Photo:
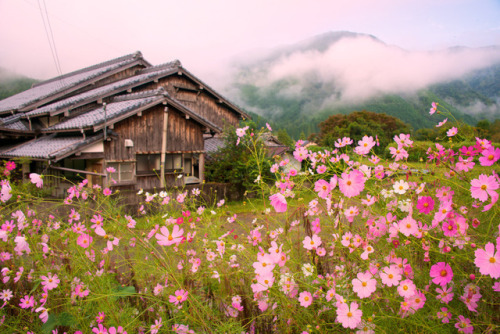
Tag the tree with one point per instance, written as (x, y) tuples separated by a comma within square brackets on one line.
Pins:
[(358, 124)]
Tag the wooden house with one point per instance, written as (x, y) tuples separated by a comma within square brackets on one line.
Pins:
[(147, 122)]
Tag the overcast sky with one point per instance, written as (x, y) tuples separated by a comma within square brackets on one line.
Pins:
[(207, 35)]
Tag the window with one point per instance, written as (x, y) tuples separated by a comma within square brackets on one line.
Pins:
[(147, 163), (124, 171), (173, 161)]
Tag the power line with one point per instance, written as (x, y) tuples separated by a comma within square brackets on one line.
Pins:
[(53, 49), (53, 40)]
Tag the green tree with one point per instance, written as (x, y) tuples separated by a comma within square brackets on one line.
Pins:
[(358, 124)]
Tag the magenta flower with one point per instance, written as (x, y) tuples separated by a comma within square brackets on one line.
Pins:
[(178, 297), (463, 325), (391, 275), (488, 261), (50, 282), (10, 165), (425, 204), (107, 192), (349, 317), (433, 108), (406, 288), (305, 298), (84, 240), (352, 184), (100, 317), (445, 295), (278, 201), (441, 273), (452, 132), (323, 188), (445, 315), (100, 329), (489, 156), (483, 186), (364, 285), (311, 243), (36, 179), (27, 302), (165, 238)]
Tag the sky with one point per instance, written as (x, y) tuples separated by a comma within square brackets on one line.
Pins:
[(209, 36)]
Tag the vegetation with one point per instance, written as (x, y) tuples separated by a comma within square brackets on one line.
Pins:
[(358, 124), (378, 248), (12, 84)]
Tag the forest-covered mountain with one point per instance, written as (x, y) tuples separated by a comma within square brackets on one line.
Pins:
[(11, 83), (298, 86)]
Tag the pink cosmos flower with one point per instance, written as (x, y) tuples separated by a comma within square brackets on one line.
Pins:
[(445, 315), (10, 165), (425, 204), (27, 302), (100, 329), (44, 315), (364, 145), (107, 192), (443, 122), (165, 238), (408, 226), (100, 317), (391, 275), (50, 282), (178, 297), (488, 261), (305, 298), (406, 288), (278, 201), (441, 273), (364, 285), (321, 169), (463, 325), (349, 316), (352, 184), (311, 243), (36, 179), (433, 108), (482, 187), (323, 188), (156, 327), (445, 295), (452, 132), (84, 240), (489, 156)]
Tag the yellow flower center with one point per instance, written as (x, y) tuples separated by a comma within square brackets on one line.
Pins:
[(349, 314), (492, 260)]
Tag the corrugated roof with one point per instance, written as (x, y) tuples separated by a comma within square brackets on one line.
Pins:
[(49, 147), (65, 82)]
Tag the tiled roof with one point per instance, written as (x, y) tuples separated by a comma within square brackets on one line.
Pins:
[(213, 144), (13, 122), (143, 76), (64, 83), (49, 147), (97, 116)]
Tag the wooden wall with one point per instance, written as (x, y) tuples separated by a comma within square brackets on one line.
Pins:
[(183, 136), (199, 100)]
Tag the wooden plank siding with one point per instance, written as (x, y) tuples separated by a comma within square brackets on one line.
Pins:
[(198, 100), (183, 136)]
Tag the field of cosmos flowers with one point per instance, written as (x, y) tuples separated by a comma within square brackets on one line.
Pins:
[(351, 243)]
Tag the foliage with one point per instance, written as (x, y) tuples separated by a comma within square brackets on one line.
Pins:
[(349, 246), (11, 85), (358, 124), (239, 163)]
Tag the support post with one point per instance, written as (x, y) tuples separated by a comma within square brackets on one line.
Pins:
[(163, 148)]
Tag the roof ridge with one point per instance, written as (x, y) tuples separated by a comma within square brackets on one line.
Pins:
[(133, 56), (171, 64), (139, 95)]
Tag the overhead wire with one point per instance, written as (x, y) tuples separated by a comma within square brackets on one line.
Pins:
[(50, 38)]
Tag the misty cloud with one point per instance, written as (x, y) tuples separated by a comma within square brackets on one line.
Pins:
[(362, 67)]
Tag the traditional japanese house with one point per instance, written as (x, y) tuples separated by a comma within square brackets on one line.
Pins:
[(146, 122)]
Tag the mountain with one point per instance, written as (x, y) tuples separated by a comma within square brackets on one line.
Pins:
[(11, 83), (297, 86)]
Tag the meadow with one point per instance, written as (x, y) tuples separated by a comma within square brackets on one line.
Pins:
[(352, 243)]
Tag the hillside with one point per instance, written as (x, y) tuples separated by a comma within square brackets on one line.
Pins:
[(11, 83), (298, 86)]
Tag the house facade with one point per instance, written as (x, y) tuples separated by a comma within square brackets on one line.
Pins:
[(146, 122)]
